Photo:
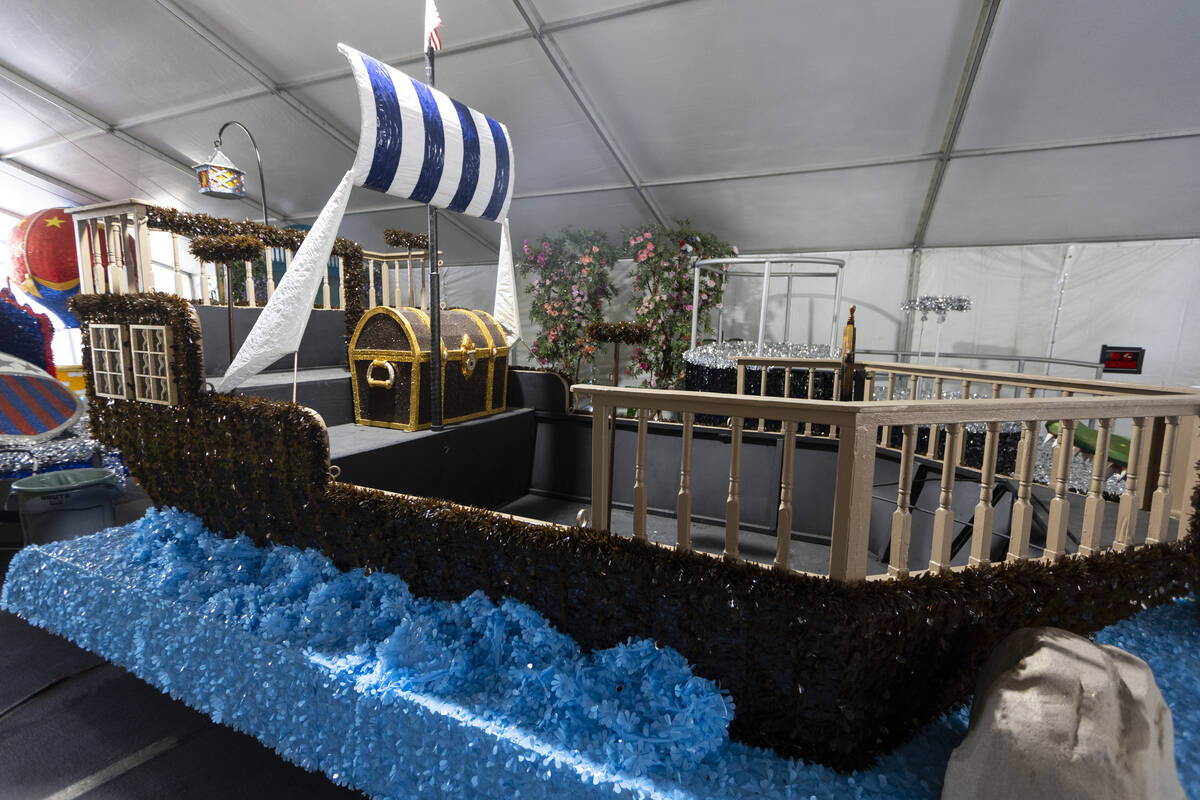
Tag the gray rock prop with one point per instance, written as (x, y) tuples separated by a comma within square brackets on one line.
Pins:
[(1058, 716)]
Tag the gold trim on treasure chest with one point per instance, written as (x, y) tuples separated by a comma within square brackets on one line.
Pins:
[(468, 356)]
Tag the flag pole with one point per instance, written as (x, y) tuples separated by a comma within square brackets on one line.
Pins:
[(435, 308)]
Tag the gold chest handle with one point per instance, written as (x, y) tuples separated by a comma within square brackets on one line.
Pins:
[(391, 374)]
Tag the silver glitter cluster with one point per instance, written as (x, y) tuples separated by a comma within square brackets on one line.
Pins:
[(73, 446), (1080, 477), (724, 355), (937, 304)]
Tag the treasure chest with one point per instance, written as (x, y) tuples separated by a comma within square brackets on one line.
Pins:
[(390, 367)]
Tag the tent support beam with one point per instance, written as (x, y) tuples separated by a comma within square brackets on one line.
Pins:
[(293, 102), (559, 62), (979, 43), (52, 97), (80, 195)]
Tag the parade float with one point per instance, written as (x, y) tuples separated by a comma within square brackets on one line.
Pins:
[(407, 645)]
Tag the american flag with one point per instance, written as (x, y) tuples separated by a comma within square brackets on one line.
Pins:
[(433, 21)]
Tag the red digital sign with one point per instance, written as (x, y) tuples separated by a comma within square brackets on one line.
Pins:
[(1122, 359)]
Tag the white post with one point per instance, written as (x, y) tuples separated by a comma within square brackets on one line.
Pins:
[(762, 311), (695, 306)]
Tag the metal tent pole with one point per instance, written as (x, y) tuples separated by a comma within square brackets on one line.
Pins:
[(435, 308)]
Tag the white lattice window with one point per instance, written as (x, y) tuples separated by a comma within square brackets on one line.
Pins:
[(108, 361), (150, 346)]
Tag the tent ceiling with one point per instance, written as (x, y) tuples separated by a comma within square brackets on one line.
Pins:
[(778, 124)]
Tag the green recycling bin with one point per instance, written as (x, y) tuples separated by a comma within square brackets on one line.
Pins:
[(65, 504)]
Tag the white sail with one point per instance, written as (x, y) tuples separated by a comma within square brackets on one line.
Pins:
[(281, 324), (504, 307)]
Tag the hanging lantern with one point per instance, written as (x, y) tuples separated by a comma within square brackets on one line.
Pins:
[(219, 177)]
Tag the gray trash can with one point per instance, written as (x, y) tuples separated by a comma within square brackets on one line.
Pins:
[(65, 504)]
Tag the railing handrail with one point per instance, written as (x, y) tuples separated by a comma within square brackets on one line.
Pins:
[(399, 255), (977, 376), (892, 412), (1066, 362)]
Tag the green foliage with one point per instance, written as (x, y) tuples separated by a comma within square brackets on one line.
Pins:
[(662, 296), (570, 282)]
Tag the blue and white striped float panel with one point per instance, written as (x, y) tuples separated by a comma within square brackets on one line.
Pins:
[(416, 142)]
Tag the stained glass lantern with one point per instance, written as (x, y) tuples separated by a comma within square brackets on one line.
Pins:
[(219, 177)]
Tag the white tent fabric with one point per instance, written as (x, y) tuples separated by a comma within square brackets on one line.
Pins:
[(1081, 125), (1135, 295), (1144, 294)]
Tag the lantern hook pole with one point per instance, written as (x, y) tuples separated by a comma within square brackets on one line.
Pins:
[(262, 189), (262, 184)]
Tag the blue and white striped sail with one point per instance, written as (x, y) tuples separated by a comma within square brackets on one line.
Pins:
[(418, 143)]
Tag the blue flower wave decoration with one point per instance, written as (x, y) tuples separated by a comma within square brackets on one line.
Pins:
[(402, 697)]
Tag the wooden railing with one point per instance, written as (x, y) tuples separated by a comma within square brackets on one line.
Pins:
[(856, 427), (114, 255), (891, 381)]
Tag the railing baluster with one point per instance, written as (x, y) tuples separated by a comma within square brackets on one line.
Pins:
[(370, 265), (424, 292), (325, 286), (385, 286), (937, 388), (1026, 440), (1126, 508), (943, 518), (995, 390), (733, 502), (341, 271), (1160, 505), (812, 377), (103, 279), (762, 392), (985, 513), (1022, 510), (639, 477), (1060, 509), (931, 445), (251, 300), (902, 516), (269, 262), (204, 282), (87, 272), (683, 505), (886, 432), (869, 386), (287, 261), (600, 465), (783, 519), (1093, 507), (411, 301), (116, 251), (175, 261), (396, 301)]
